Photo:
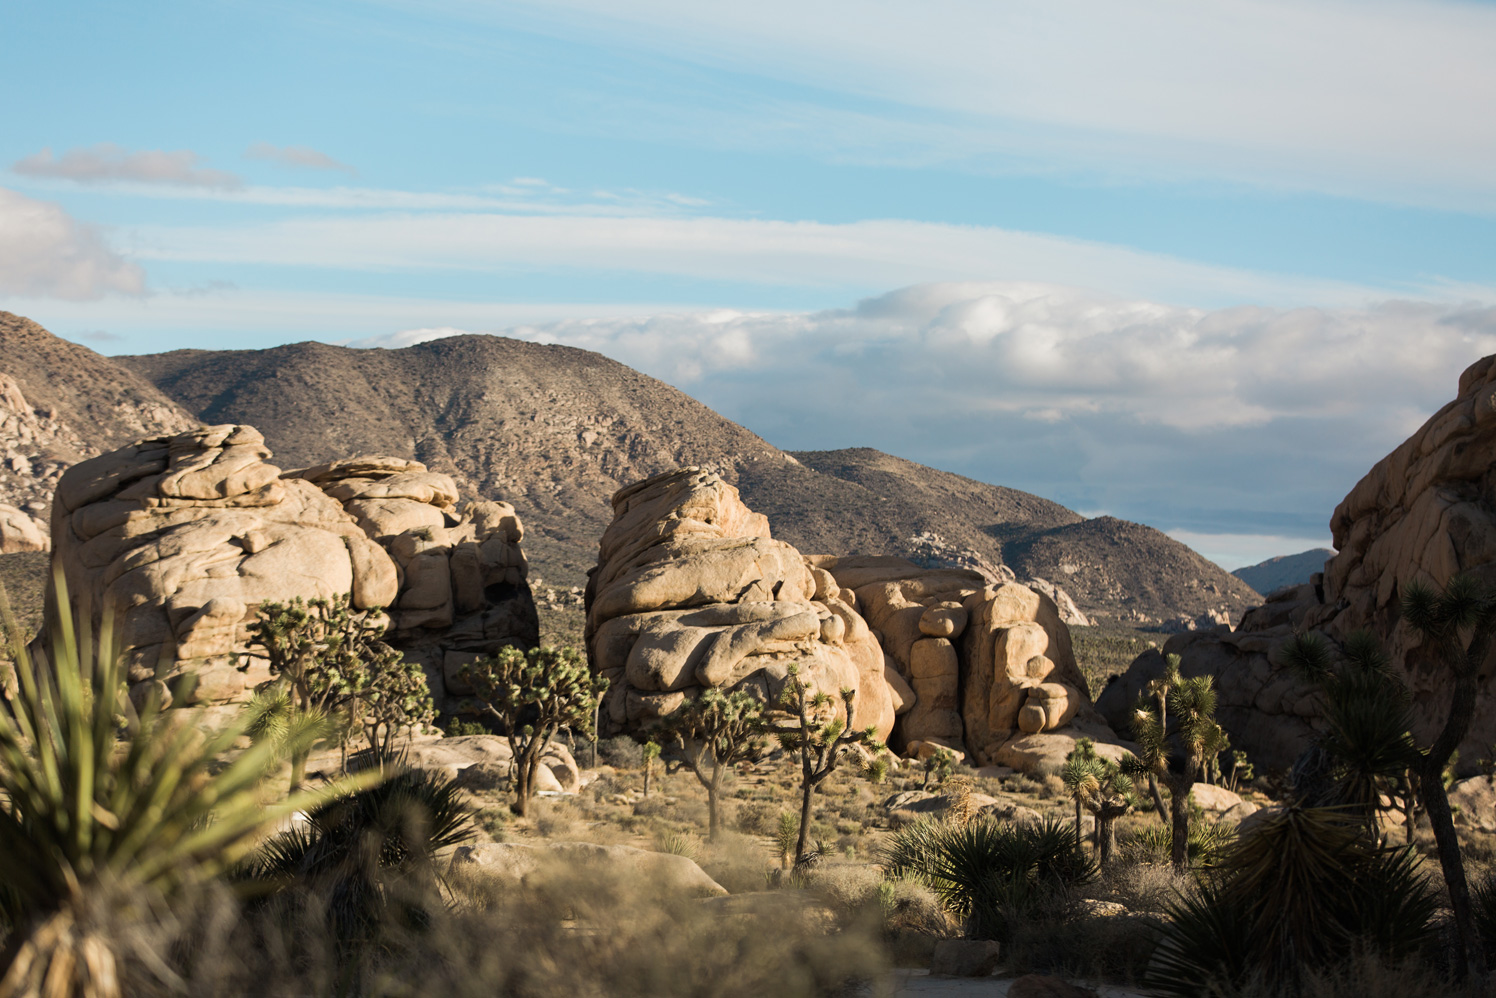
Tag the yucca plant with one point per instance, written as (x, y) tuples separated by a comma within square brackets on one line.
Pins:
[(1101, 787), (107, 810), (989, 873), (358, 851), (1304, 889)]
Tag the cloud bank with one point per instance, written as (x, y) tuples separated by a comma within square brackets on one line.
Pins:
[(46, 253), (109, 163), (1245, 421)]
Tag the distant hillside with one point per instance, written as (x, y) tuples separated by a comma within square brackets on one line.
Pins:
[(557, 430), (76, 404), (1284, 570)]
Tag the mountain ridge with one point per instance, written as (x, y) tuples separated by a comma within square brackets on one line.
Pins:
[(556, 430)]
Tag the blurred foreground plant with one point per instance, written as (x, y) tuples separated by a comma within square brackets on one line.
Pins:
[(106, 811)]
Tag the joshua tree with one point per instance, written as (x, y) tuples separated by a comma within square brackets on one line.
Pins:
[(1101, 787), (394, 698), (819, 742), (534, 693), (717, 730), (651, 753), (1367, 752), (1192, 703), (325, 653), (1156, 694), (938, 763), (1460, 624)]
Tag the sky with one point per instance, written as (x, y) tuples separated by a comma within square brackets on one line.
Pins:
[(1198, 265)]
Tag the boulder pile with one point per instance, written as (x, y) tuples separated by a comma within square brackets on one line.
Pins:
[(990, 665), (691, 591), (1425, 512), (181, 538)]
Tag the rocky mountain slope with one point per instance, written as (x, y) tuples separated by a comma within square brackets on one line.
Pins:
[(1284, 570), (61, 403), (556, 431)]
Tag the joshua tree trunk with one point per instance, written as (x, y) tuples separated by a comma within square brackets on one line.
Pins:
[(1158, 800), (648, 770), (1179, 825), (1436, 803), (807, 788), (1106, 832), (1078, 840), (711, 801)]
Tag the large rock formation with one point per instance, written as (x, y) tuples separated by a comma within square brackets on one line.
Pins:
[(181, 538), (1425, 512), (990, 663), (691, 591)]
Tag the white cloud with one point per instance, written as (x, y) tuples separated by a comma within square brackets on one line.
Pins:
[(1392, 99), (296, 156), (46, 253), (855, 255), (109, 163), (1242, 421)]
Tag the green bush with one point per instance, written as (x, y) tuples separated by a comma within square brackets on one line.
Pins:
[(990, 874), (1303, 890)]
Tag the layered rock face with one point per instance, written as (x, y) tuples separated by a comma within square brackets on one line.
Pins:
[(691, 592), (1425, 512), (990, 664), (181, 538)]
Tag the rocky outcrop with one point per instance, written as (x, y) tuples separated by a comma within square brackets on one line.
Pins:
[(1425, 512), (181, 538), (691, 591), (61, 403), (19, 532), (989, 663)]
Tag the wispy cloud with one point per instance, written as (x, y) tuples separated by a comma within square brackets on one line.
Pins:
[(46, 253), (856, 255), (1392, 100), (304, 157), (109, 163)]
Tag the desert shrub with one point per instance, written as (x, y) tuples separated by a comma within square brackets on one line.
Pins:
[(1154, 843), (564, 932), (457, 727), (652, 807), (993, 875), (359, 850), (621, 753), (1304, 889), (1145, 887), (757, 818), (1483, 911), (677, 843)]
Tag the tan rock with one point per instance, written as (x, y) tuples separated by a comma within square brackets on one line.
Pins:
[(19, 532), (1214, 798), (691, 592)]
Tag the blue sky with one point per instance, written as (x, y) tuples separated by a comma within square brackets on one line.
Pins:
[(1198, 265)]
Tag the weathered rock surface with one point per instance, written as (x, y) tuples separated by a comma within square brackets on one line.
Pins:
[(1425, 512), (988, 663), (1474, 801), (19, 532), (182, 537), (691, 592), (966, 958), (518, 861)]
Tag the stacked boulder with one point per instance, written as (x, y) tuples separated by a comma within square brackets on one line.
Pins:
[(990, 663), (691, 592), (181, 538), (1426, 512)]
